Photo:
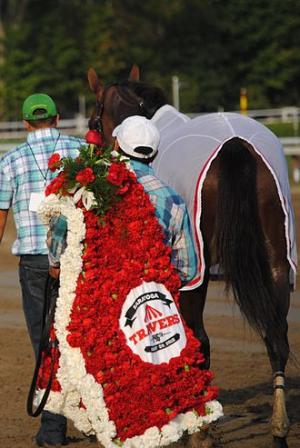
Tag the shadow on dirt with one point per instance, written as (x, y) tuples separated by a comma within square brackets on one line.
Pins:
[(241, 396), (248, 412)]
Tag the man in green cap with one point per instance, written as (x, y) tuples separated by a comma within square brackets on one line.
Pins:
[(24, 174), (39, 106)]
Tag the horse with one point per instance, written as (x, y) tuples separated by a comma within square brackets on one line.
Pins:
[(241, 228)]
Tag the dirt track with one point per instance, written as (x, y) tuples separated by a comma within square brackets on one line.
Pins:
[(238, 360)]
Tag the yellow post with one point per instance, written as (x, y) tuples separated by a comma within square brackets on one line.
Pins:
[(243, 101)]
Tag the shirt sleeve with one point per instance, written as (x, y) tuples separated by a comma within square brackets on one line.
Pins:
[(6, 188), (57, 239), (183, 254)]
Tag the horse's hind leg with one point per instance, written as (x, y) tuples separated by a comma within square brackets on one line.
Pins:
[(278, 351), (276, 338)]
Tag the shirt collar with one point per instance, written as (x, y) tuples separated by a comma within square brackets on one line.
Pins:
[(139, 166), (42, 134)]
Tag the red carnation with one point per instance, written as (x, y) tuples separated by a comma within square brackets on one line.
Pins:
[(56, 184), (94, 137), (54, 162), (117, 174), (86, 176)]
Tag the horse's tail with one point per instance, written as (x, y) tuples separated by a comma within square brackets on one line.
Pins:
[(240, 240)]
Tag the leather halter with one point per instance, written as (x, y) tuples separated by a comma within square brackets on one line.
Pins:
[(96, 122)]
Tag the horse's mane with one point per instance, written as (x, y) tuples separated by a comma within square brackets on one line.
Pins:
[(152, 97)]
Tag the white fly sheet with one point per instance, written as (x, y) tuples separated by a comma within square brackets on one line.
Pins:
[(187, 149)]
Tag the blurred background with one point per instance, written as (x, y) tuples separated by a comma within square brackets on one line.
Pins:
[(208, 55), (214, 47)]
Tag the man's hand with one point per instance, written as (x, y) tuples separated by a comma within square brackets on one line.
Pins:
[(3, 218), (54, 272)]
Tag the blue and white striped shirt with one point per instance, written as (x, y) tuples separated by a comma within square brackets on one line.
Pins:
[(24, 170)]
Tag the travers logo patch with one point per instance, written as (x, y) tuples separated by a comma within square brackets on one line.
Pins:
[(152, 324)]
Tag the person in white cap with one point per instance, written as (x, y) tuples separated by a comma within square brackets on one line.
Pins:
[(138, 138)]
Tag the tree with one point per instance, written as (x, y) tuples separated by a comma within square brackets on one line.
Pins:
[(264, 49), (214, 47), (44, 53)]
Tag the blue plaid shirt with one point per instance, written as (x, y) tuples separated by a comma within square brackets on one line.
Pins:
[(173, 216), (171, 213), (23, 171)]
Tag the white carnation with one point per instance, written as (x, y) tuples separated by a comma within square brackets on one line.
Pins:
[(214, 411), (170, 433), (191, 422)]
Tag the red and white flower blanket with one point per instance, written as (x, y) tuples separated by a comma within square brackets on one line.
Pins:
[(127, 365)]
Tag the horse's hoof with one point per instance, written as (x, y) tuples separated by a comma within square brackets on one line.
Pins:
[(200, 440), (280, 442)]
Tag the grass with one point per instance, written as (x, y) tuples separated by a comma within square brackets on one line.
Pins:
[(287, 130), (284, 129), (12, 141)]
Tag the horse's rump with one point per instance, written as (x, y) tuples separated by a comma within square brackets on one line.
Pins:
[(188, 154)]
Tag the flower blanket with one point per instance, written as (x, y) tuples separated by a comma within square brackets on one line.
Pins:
[(126, 364)]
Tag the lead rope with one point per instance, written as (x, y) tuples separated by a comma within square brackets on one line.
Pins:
[(48, 317)]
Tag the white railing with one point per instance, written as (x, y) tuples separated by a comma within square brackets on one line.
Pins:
[(290, 114), (284, 114), (78, 126), (291, 146), (14, 130)]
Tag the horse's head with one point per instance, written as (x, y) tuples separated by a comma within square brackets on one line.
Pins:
[(120, 100)]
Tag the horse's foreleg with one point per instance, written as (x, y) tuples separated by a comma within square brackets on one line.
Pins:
[(192, 307)]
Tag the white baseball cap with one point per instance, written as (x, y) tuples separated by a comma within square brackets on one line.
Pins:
[(138, 137)]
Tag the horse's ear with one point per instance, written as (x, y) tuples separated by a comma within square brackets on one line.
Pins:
[(134, 74), (95, 84)]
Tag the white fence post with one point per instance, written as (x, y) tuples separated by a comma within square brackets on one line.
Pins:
[(80, 124)]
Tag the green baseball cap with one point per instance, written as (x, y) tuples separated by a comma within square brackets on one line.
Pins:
[(40, 102)]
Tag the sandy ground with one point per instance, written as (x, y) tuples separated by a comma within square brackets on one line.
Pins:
[(239, 361)]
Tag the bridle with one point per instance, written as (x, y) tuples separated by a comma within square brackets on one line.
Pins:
[(96, 123)]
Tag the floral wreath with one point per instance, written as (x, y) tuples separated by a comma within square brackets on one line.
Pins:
[(101, 382)]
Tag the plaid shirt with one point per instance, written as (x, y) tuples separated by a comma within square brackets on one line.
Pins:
[(171, 213), (173, 216), (23, 171)]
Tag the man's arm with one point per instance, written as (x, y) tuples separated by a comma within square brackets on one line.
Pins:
[(56, 242), (173, 216), (183, 254), (3, 219)]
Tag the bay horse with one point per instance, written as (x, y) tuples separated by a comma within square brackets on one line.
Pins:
[(242, 224)]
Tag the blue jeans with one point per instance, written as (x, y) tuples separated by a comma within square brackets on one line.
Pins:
[(33, 273)]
